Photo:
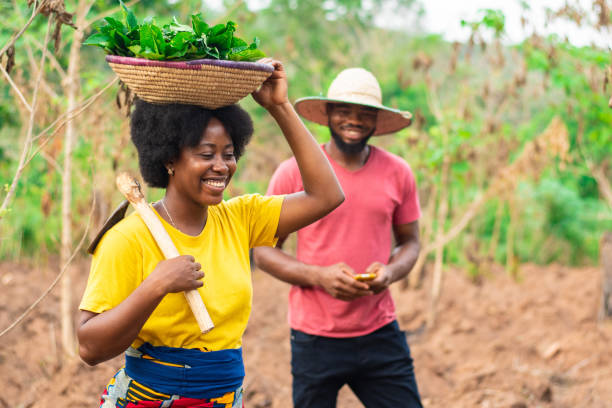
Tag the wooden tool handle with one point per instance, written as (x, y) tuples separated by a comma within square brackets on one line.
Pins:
[(130, 188)]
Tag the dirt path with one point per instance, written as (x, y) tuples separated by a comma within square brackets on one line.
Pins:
[(534, 343)]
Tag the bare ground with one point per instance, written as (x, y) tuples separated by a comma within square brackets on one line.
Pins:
[(498, 343)]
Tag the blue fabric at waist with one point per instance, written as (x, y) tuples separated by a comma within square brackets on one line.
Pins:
[(208, 374)]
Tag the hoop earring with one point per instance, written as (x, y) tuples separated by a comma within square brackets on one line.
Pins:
[(171, 171)]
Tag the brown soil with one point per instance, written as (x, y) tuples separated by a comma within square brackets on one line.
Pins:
[(499, 343)]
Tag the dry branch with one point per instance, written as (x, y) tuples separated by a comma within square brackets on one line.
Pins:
[(66, 117), (71, 91), (35, 11), (16, 89), (414, 278), (52, 59), (436, 287), (34, 71), (28, 141)]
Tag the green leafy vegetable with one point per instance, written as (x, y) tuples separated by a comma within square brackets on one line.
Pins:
[(174, 41)]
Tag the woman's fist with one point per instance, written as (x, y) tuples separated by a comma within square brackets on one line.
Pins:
[(179, 274)]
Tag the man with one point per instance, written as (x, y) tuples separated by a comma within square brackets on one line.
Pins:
[(344, 330)]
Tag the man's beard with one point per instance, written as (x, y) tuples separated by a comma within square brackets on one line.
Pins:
[(350, 148)]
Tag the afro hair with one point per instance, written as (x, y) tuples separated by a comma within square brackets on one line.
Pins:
[(160, 132)]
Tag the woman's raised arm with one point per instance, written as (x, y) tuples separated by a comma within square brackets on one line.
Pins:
[(322, 192)]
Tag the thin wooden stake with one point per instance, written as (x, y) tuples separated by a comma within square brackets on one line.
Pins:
[(436, 287), (415, 276)]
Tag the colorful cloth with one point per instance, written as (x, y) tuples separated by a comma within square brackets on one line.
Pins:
[(127, 254), (188, 373), (124, 392), (379, 195)]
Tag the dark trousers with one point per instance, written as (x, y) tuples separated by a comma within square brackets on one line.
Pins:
[(377, 367)]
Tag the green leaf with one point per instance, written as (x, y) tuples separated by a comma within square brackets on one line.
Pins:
[(238, 42), (494, 19), (116, 24), (173, 53), (151, 55), (135, 49), (129, 17), (181, 40), (213, 52), (222, 41), (178, 27), (147, 40), (247, 55), (121, 40), (238, 50), (99, 39), (216, 30), (159, 39), (238, 45), (199, 25), (230, 26)]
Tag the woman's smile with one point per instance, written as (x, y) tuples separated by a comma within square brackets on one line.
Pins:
[(215, 184)]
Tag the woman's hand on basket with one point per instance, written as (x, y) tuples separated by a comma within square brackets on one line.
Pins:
[(273, 91), (178, 274)]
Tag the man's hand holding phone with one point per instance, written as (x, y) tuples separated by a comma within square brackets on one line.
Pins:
[(338, 281), (381, 277)]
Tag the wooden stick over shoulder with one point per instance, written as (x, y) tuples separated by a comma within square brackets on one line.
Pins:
[(130, 188)]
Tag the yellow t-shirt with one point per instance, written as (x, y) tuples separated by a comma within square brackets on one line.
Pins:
[(127, 254)]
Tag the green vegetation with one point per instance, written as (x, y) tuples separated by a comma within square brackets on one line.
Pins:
[(174, 41)]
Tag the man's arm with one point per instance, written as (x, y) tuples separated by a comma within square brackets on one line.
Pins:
[(402, 259), (337, 280)]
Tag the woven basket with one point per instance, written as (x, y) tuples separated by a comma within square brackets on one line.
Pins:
[(208, 83)]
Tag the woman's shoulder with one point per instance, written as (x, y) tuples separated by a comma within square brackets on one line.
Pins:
[(125, 233)]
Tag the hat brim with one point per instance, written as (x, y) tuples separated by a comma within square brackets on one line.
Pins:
[(389, 120)]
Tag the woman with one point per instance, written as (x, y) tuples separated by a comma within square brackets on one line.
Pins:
[(133, 299)]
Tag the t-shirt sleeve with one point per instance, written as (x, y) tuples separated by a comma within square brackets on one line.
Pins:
[(116, 271), (263, 215), (409, 209), (286, 179)]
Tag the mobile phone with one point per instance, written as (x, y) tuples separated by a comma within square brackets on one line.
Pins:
[(362, 277)]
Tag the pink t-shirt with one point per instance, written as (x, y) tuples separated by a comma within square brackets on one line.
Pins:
[(359, 232)]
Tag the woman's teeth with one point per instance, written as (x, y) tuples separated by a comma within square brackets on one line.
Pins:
[(215, 183)]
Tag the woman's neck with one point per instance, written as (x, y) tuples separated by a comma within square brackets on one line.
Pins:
[(182, 213)]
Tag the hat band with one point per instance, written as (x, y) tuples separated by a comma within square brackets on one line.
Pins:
[(358, 98)]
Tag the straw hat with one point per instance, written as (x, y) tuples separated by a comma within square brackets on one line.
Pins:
[(208, 83), (357, 86)]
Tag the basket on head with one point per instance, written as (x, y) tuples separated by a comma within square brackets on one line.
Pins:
[(205, 82)]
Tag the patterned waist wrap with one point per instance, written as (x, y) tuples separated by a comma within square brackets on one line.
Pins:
[(189, 373)]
